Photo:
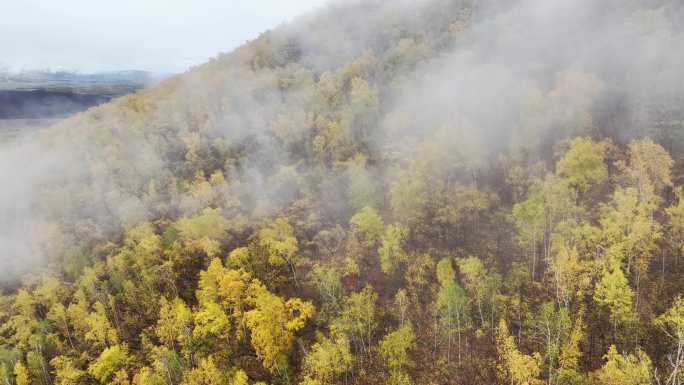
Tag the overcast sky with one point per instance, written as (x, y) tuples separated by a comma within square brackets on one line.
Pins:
[(153, 35)]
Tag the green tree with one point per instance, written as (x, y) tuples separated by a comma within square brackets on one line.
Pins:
[(209, 223), (401, 306), (481, 285), (445, 271), (395, 352), (167, 364), (38, 367), (551, 327), (391, 250), (362, 189), (583, 164), (529, 218), (614, 291), (367, 226), (328, 282), (450, 306), (357, 318), (630, 231)]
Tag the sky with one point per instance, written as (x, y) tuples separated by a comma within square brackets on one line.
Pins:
[(164, 36)]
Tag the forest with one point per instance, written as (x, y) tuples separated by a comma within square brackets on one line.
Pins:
[(381, 192)]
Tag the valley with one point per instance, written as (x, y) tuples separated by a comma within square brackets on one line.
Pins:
[(37, 99)]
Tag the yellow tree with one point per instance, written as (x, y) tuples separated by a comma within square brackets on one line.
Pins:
[(66, 372), (568, 372), (273, 323), (515, 367), (110, 361), (21, 374), (147, 376), (549, 206), (629, 369), (58, 316), (671, 323), (23, 319), (228, 288), (630, 231), (328, 359), (174, 326), (240, 378), (675, 215), (648, 170), (571, 277), (212, 326), (101, 333), (142, 249), (583, 165), (280, 241), (205, 374), (77, 313)]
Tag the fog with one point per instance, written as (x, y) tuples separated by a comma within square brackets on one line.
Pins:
[(537, 71), (518, 74)]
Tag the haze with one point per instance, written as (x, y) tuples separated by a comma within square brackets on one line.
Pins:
[(154, 35)]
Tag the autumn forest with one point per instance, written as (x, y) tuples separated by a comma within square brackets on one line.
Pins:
[(406, 192)]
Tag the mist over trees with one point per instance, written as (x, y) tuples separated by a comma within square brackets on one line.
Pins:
[(428, 192)]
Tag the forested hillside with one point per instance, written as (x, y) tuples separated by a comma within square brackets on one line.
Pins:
[(382, 192)]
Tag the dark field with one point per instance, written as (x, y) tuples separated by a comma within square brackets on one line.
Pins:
[(38, 99), (34, 104)]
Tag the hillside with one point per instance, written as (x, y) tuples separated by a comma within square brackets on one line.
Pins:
[(428, 192)]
